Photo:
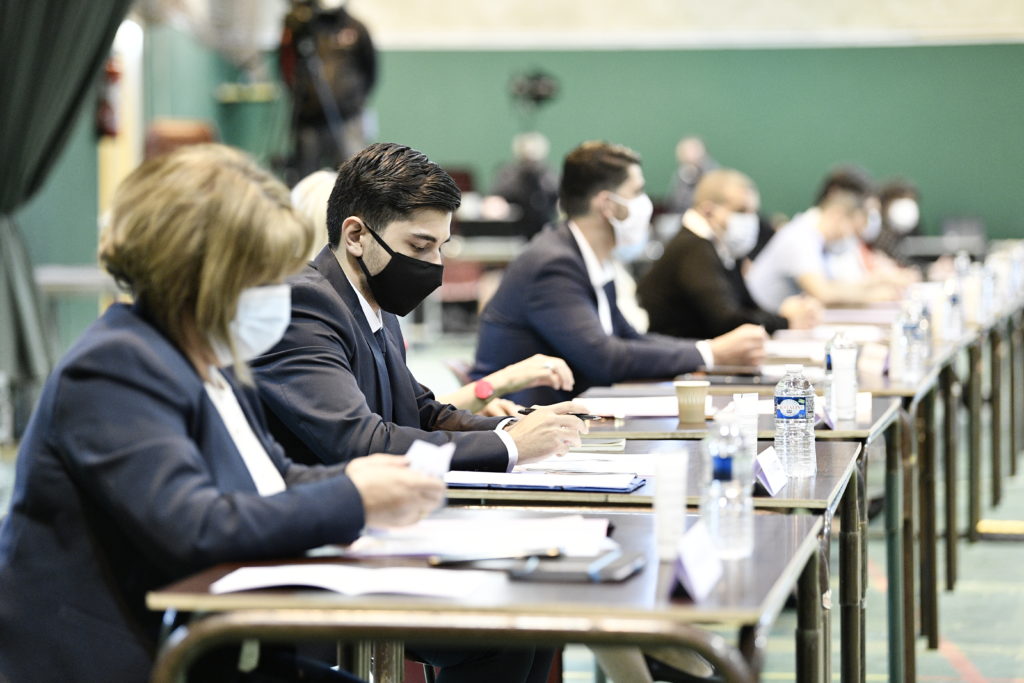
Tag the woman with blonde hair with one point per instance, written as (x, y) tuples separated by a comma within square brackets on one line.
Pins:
[(143, 462)]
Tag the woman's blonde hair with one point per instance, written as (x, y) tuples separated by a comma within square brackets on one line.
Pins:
[(188, 231)]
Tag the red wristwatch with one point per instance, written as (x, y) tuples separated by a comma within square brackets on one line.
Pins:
[(483, 390)]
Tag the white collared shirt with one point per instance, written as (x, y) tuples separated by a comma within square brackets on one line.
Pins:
[(699, 226), (376, 322), (264, 473), (601, 274)]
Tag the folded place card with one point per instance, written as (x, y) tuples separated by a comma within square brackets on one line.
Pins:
[(698, 566), (769, 471)]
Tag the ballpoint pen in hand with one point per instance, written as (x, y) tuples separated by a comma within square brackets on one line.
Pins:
[(582, 416)]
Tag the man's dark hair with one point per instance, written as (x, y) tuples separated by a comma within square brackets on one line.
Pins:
[(387, 182), (850, 179), (897, 188), (590, 168)]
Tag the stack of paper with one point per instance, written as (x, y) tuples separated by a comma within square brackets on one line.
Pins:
[(543, 480), (572, 534), (600, 446), (441, 583), (641, 464)]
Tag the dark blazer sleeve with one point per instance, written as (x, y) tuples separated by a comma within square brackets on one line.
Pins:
[(144, 468), (308, 382), (704, 283), (561, 310)]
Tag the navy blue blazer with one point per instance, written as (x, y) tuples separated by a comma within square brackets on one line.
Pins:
[(127, 479), (324, 393), (547, 304)]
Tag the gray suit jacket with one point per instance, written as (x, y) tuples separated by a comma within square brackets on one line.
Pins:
[(546, 304), (326, 395)]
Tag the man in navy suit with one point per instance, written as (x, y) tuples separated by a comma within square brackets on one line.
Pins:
[(337, 385), (558, 296)]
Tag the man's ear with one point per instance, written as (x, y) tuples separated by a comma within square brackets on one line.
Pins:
[(603, 204), (352, 230)]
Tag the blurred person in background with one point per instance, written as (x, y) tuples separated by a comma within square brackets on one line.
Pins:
[(696, 288), (901, 216), (558, 296), (693, 162), (797, 259), (528, 182)]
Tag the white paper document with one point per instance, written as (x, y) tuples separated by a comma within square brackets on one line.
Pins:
[(600, 446), (428, 459), (540, 480), (640, 464), (638, 406), (440, 583), (810, 350), (571, 534)]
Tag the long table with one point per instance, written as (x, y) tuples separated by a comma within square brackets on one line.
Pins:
[(639, 611)]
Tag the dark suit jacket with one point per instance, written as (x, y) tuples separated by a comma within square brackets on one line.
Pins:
[(546, 304), (128, 480), (324, 393), (689, 292)]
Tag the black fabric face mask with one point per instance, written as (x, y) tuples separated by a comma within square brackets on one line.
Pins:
[(404, 282)]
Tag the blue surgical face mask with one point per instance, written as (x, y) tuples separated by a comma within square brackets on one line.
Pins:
[(260, 321), (873, 228)]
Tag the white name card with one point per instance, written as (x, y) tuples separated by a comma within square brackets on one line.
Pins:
[(699, 566), (769, 471), (431, 460)]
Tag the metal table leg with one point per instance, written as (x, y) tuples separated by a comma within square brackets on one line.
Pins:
[(974, 449), (894, 547), (908, 561), (951, 443), (810, 645), (851, 590), (996, 350), (928, 546)]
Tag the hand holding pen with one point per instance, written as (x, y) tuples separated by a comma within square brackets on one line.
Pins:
[(548, 430)]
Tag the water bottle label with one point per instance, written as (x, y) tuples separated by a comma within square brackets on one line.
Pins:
[(721, 468), (791, 407)]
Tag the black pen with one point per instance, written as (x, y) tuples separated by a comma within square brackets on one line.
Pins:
[(582, 416)]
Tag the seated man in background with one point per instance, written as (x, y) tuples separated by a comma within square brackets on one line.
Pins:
[(337, 386), (558, 296), (696, 288), (796, 259)]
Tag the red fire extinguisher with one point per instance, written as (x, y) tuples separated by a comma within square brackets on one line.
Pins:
[(107, 114)]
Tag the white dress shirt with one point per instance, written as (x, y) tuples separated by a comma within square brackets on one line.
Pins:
[(261, 468), (376, 322), (601, 274)]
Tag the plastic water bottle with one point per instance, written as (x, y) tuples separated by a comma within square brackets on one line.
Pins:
[(794, 423), (954, 319), (908, 347), (726, 506), (843, 356)]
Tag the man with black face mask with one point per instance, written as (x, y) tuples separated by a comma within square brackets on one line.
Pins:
[(337, 387)]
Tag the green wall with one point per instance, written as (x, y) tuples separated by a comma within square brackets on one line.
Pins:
[(949, 117)]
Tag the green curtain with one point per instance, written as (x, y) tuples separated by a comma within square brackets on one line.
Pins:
[(50, 54)]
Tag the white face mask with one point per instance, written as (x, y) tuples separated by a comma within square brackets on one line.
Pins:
[(903, 215), (741, 232), (261, 320), (873, 228), (633, 231)]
